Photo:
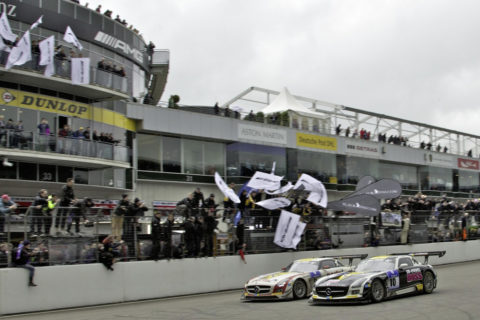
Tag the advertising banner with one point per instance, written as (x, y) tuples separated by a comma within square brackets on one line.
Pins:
[(262, 134), (316, 142)]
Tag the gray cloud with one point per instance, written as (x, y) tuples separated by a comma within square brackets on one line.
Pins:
[(413, 59)]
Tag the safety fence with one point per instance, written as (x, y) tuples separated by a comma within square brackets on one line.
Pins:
[(69, 235)]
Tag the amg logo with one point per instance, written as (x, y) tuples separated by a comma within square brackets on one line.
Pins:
[(118, 44)]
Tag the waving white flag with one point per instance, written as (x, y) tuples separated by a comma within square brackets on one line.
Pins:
[(266, 181), (318, 193), (229, 193), (47, 53), (80, 70), (286, 229), (274, 203), (283, 189), (5, 30), (70, 37), (36, 23), (21, 53)]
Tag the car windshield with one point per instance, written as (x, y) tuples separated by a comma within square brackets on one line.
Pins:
[(376, 265), (304, 266)]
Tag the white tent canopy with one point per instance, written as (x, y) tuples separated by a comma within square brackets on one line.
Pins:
[(286, 102)]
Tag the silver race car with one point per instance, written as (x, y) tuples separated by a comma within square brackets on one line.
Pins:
[(378, 278), (295, 281)]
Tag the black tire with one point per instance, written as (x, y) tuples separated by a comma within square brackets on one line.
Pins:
[(428, 282), (299, 289), (377, 291)]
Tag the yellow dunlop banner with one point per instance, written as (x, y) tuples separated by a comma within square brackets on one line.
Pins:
[(316, 142), (70, 108)]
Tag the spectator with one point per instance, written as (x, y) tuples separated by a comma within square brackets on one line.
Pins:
[(405, 228), (99, 8), (117, 18), (67, 199), (210, 226), (186, 205), (216, 109), (470, 153), (60, 54), (198, 199), (338, 129), (79, 210), (464, 226), (118, 217), (156, 235), (7, 206), (199, 233), (355, 133), (37, 214), (209, 204), (136, 209), (18, 138), (22, 260), (86, 133), (347, 132), (167, 229), (189, 237), (228, 205), (226, 113), (439, 148), (43, 127), (445, 149), (109, 252), (52, 202), (251, 116)]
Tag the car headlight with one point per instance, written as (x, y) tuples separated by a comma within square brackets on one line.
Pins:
[(358, 283)]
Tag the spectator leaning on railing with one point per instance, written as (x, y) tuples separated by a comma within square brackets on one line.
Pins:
[(7, 206)]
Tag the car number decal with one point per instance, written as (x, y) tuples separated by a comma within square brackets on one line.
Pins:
[(393, 281)]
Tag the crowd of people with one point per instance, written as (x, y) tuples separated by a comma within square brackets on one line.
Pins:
[(13, 135), (199, 224), (109, 66)]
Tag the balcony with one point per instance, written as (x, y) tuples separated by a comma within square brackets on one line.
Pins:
[(23, 146), (103, 85)]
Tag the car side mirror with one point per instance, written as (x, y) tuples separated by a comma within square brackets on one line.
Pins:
[(403, 266)]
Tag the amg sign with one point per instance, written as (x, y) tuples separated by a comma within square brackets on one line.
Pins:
[(120, 45)]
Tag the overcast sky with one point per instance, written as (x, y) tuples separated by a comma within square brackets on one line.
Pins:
[(415, 59)]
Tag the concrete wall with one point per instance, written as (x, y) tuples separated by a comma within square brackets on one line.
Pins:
[(84, 285)]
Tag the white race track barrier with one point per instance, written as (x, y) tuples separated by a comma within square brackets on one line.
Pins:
[(91, 284)]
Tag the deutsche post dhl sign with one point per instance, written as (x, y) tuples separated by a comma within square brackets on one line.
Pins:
[(468, 164)]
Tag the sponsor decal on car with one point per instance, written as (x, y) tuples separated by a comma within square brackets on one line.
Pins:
[(414, 275)]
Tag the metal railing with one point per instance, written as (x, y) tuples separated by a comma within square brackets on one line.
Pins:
[(63, 69), (68, 240), (26, 140)]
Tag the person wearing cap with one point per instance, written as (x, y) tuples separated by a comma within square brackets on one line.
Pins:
[(197, 201), (21, 259), (7, 206)]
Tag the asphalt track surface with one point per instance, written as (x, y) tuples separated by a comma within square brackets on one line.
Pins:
[(456, 297)]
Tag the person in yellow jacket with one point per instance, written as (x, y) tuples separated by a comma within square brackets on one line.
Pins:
[(52, 202)]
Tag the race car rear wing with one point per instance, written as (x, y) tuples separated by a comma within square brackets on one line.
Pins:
[(350, 257), (421, 254)]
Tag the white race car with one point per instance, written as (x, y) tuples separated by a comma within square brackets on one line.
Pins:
[(295, 281)]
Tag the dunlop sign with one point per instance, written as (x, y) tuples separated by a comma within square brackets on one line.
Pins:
[(316, 142), (45, 103)]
